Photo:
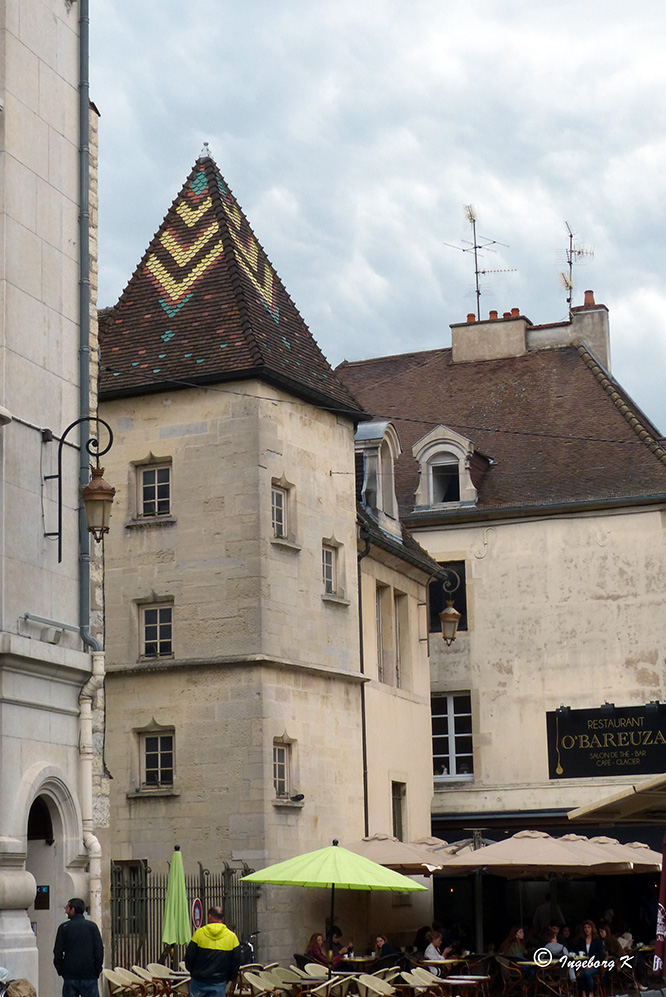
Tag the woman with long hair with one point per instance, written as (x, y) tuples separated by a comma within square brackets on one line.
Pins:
[(315, 949), (513, 946), (591, 946)]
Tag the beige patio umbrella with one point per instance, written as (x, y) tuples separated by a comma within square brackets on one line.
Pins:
[(534, 854), (404, 856), (643, 858)]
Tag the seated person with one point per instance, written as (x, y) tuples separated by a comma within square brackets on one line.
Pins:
[(315, 950), (552, 943), (384, 947), (590, 945), (335, 944), (435, 950), (513, 946)]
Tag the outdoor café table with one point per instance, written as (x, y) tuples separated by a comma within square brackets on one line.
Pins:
[(355, 963), (442, 964), (465, 985)]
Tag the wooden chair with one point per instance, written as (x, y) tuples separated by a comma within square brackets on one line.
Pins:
[(316, 969), (257, 985), (514, 983), (120, 987), (131, 977), (299, 971), (153, 985), (373, 986)]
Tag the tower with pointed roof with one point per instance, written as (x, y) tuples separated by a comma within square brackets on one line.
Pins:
[(234, 718)]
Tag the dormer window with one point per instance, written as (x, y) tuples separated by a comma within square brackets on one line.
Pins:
[(444, 457), (378, 445)]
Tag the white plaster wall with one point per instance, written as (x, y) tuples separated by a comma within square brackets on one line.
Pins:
[(562, 610)]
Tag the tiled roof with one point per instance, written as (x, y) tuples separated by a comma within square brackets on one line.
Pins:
[(206, 305), (556, 426)]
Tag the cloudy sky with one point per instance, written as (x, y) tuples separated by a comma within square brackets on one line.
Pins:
[(353, 132)]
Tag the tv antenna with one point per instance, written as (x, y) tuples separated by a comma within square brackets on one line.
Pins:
[(574, 253), (474, 247)]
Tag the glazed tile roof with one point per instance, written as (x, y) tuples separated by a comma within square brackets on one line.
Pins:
[(556, 426), (206, 305)]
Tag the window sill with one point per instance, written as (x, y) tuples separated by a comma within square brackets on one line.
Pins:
[(286, 543), (442, 781), (289, 804), (138, 524), (144, 794), (155, 657), (332, 597)]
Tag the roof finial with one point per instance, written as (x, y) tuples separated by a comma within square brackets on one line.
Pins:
[(205, 152)]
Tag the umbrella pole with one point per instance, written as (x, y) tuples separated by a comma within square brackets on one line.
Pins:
[(478, 907), (330, 941)]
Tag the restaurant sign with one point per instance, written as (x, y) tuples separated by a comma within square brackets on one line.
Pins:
[(622, 740)]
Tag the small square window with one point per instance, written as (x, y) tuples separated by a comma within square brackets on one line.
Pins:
[(157, 759), (157, 632), (279, 512), (281, 770), (329, 568), (154, 484)]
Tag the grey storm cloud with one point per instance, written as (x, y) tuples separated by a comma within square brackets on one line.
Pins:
[(352, 134)]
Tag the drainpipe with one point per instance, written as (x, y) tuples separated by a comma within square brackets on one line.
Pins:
[(96, 680), (365, 536)]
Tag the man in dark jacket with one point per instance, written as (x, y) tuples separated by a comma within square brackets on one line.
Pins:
[(78, 953), (213, 957)]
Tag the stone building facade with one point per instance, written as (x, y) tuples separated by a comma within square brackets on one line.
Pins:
[(49, 753), (528, 471), (234, 682)]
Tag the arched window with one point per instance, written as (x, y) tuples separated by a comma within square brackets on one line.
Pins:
[(444, 459)]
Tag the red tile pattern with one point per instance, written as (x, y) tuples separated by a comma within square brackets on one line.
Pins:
[(205, 304)]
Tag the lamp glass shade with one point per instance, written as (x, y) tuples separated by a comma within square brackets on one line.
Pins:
[(450, 619), (97, 498)]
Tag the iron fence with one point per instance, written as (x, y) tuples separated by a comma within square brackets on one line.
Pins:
[(137, 906)]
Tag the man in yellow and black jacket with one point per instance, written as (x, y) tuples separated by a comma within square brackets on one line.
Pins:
[(213, 957)]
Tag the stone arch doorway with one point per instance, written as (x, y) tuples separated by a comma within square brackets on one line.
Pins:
[(46, 861)]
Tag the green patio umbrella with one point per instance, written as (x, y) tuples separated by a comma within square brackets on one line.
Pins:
[(333, 867), (176, 929)]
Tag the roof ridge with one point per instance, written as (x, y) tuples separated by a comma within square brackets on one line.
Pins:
[(619, 398), (214, 180)]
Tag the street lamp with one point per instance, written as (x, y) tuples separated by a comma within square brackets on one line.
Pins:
[(97, 498), (97, 494), (450, 617)]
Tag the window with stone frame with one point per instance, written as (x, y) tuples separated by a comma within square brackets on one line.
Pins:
[(452, 740), (154, 490), (156, 638), (157, 759), (281, 769)]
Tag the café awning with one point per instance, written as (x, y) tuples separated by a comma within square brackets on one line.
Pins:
[(643, 802)]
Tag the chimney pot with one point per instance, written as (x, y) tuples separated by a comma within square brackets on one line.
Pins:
[(492, 316), (589, 299), (506, 315), (515, 313), (471, 317)]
